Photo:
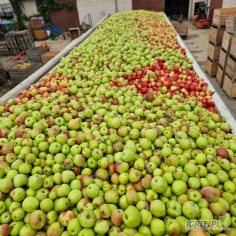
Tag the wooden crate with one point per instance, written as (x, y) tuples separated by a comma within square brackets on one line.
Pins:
[(233, 47), (37, 23), (220, 76), (219, 17), (74, 33), (213, 52), (229, 86), (216, 35), (222, 58), (18, 75), (231, 24), (34, 54), (227, 39), (211, 67), (231, 67), (40, 34), (48, 56)]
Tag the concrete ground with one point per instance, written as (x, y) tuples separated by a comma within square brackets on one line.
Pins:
[(197, 43), (55, 45)]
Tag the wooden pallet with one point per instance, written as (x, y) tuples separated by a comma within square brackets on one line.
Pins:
[(219, 17), (216, 36), (229, 86), (227, 40), (213, 52), (211, 67)]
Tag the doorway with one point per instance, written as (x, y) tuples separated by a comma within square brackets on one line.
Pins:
[(177, 7)]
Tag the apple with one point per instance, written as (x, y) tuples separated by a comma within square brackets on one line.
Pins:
[(92, 190), (30, 204), (65, 217), (210, 194), (159, 184), (158, 208), (132, 217), (101, 227), (61, 204), (15, 227), (27, 230), (158, 227), (105, 210), (18, 214), (217, 209), (173, 226), (74, 227), (55, 228), (5, 229), (190, 210), (37, 219), (87, 218), (194, 195), (174, 208), (179, 187)]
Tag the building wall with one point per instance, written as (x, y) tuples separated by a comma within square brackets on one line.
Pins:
[(101, 7), (229, 3), (29, 7), (150, 5)]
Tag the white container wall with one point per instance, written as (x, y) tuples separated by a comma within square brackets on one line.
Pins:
[(100, 8), (229, 3), (29, 7)]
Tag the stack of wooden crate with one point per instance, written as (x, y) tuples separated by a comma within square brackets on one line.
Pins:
[(215, 42), (229, 82), (216, 39), (224, 54)]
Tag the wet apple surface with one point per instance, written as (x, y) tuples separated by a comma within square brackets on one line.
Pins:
[(121, 138)]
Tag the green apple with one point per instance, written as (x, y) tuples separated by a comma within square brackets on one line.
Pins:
[(158, 227), (174, 208), (74, 227), (159, 184), (179, 187), (30, 204), (87, 218), (132, 217), (158, 208), (190, 210), (101, 227)]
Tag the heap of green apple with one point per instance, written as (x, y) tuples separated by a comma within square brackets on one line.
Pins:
[(87, 151)]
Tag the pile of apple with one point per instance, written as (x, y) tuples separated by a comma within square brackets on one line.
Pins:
[(88, 151)]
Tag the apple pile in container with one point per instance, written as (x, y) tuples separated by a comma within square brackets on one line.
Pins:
[(121, 139)]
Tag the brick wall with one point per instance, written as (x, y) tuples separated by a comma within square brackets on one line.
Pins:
[(229, 3), (29, 7), (100, 7)]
